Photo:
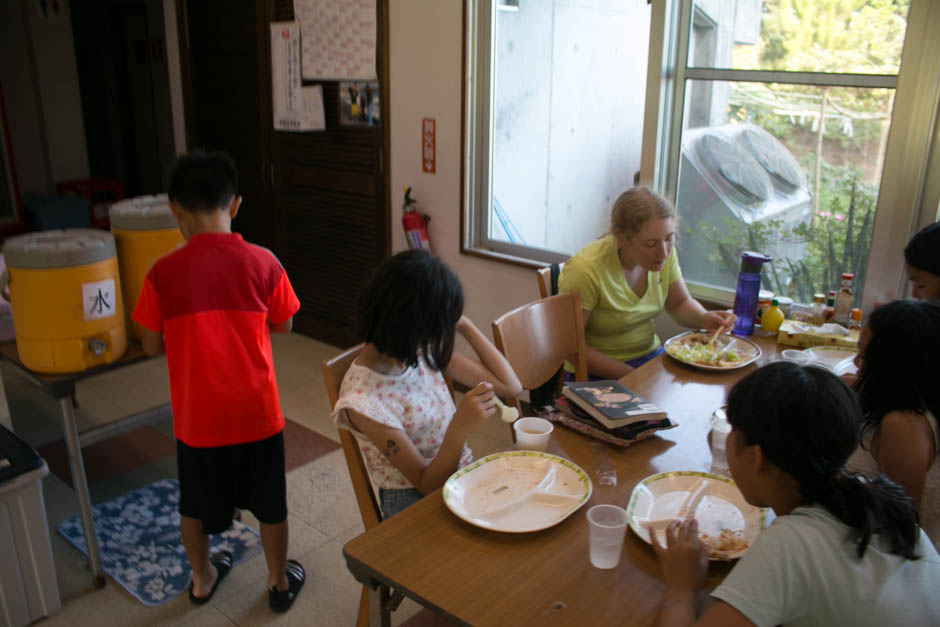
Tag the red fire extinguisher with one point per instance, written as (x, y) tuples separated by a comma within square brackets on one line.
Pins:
[(414, 223)]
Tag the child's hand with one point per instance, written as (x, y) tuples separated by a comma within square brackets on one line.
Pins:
[(474, 408), (684, 559), (714, 320)]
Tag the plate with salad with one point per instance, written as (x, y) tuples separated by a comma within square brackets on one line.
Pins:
[(697, 349)]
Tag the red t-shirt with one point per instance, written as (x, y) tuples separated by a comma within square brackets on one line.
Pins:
[(213, 300)]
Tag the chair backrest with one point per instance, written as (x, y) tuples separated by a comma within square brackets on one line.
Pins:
[(333, 372), (538, 337), (544, 277)]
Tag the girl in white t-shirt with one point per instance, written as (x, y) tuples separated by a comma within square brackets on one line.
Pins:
[(843, 550), (394, 397), (899, 394)]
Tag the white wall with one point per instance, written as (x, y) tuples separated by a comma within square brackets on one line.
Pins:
[(175, 76), (20, 97), (43, 101), (57, 75), (425, 55)]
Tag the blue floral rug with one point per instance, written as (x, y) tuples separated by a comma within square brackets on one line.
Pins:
[(141, 548)]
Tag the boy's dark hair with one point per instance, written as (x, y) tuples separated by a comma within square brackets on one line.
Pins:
[(806, 421), (899, 368), (203, 181), (412, 304), (923, 251)]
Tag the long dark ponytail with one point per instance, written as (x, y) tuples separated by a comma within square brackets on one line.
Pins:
[(806, 421)]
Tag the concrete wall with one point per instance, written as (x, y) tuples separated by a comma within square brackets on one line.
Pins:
[(568, 121)]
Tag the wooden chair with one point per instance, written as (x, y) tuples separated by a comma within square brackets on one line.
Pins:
[(544, 277), (333, 372), (538, 337)]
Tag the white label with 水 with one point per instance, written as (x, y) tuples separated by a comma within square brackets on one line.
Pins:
[(98, 299)]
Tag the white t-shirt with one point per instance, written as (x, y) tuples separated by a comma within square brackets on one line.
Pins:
[(416, 401), (862, 461), (802, 571)]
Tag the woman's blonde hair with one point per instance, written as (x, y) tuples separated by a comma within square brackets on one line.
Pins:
[(634, 208)]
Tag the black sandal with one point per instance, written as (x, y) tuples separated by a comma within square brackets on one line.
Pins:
[(281, 600), (223, 563)]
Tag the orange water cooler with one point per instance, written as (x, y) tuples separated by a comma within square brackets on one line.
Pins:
[(144, 230), (65, 295)]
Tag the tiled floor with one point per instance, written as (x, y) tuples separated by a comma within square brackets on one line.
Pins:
[(323, 512)]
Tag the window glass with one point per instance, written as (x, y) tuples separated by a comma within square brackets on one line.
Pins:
[(845, 36), (763, 173), (568, 101)]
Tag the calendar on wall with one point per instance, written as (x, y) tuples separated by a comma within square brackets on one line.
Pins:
[(338, 39)]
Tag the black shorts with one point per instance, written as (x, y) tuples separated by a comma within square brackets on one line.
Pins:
[(216, 480)]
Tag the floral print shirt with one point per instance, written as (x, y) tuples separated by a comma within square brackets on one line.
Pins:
[(416, 401)]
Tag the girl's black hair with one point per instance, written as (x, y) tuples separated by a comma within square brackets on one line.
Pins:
[(806, 420), (899, 365), (923, 251), (202, 181), (412, 305)]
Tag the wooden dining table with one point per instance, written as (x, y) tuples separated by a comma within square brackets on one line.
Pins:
[(476, 576)]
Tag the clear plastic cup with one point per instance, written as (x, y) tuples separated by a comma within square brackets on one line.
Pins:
[(608, 526), (719, 437)]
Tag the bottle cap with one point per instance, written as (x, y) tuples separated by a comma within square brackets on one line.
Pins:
[(819, 297), (856, 314), (752, 262), (847, 276), (774, 302)]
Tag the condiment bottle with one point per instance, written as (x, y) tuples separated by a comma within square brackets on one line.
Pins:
[(818, 315), (763, 303), (844, 300), (745, 294), (830, 305), (772, 318), (855, 319)]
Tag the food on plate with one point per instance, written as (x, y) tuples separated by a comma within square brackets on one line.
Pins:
[(697, 348), (728, 544)]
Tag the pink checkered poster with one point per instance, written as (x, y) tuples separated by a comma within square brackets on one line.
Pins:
[(338, 39)]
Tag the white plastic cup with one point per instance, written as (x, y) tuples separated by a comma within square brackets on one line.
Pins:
[(532, 434), (608, 527)]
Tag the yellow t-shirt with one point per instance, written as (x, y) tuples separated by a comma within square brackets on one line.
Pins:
[(621, 325)]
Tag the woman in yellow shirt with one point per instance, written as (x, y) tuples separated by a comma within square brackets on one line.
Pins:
[(625, 279)]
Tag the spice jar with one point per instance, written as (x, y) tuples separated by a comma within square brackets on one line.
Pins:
[(818, 315), (855, 319)]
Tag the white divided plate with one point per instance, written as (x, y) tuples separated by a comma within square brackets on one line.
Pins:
[(517, 491), (837, 358), (747, 350), (717, 504)]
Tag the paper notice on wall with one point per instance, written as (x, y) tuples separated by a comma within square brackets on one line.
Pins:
[(296, 108), (339, 39)]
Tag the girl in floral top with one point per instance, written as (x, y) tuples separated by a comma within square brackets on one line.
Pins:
[(394, 397)]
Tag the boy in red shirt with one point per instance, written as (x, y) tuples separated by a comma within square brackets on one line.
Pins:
[(211, 305)]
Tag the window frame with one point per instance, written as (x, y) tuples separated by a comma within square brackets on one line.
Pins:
[(909, 191)]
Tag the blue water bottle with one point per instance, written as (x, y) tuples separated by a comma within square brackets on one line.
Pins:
[(745, 295)]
